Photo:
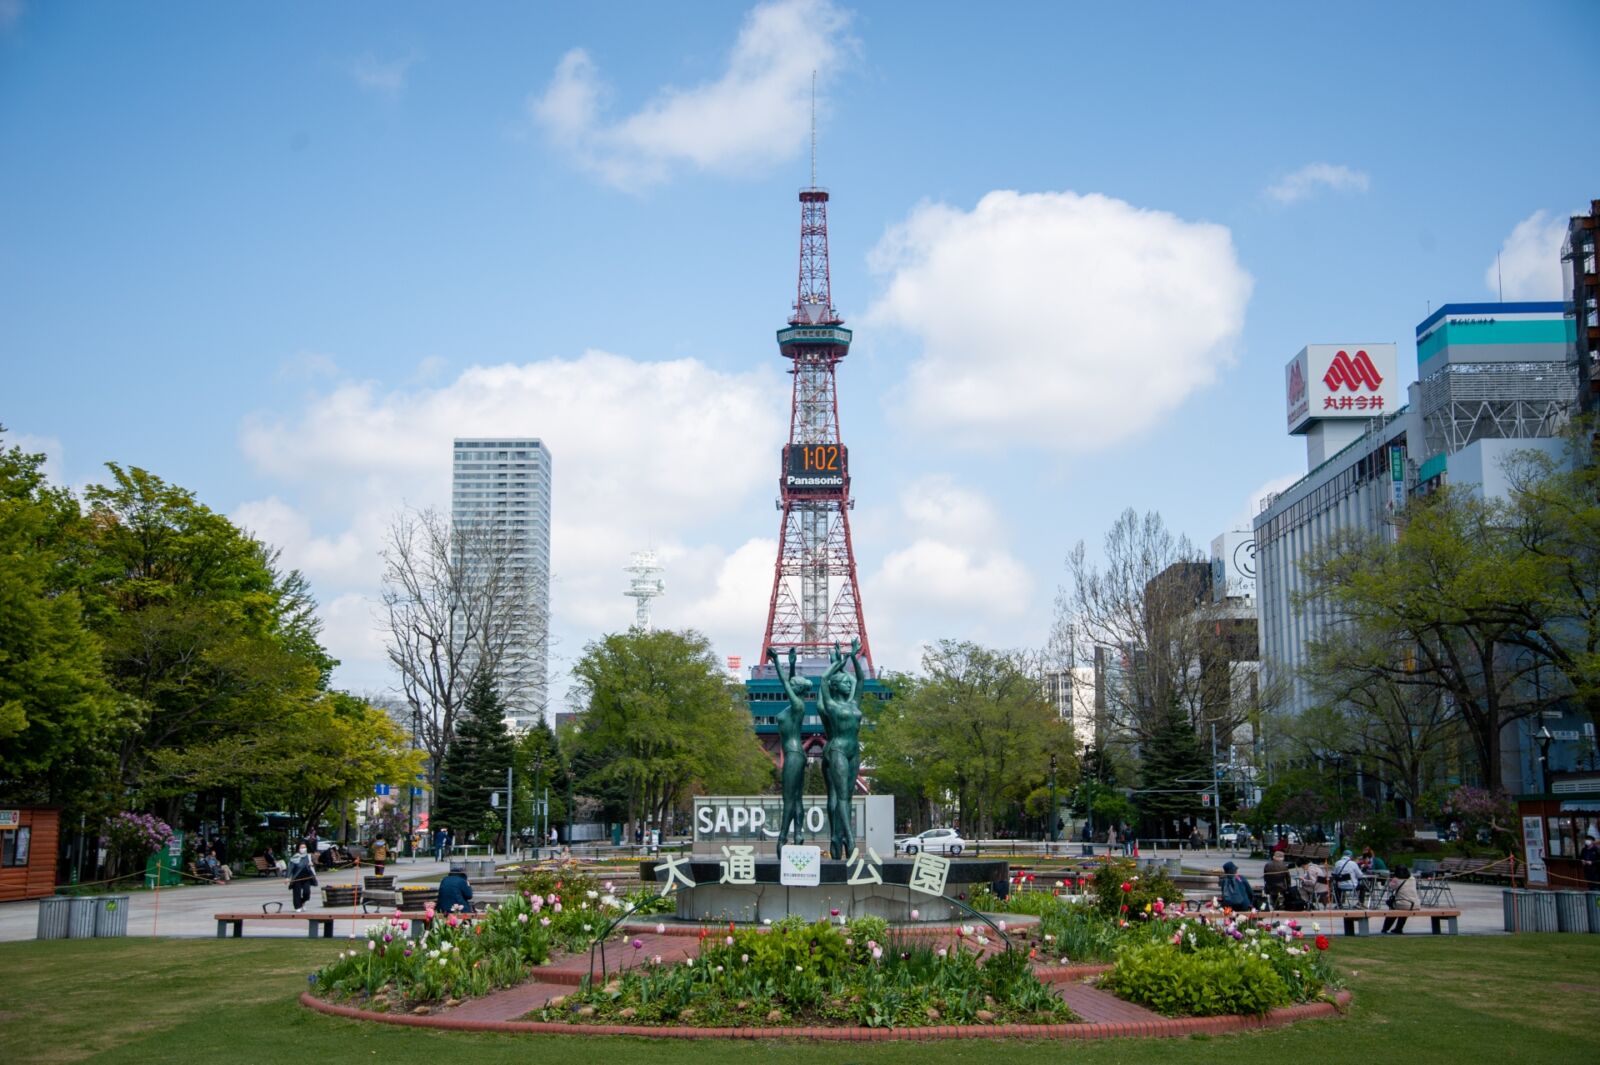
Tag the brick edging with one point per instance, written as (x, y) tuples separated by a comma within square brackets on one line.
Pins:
[(1165, 1027)]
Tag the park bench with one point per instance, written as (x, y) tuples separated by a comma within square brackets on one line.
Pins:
[(265, 868), (1474, 868), (1358, 922), (323, 919)]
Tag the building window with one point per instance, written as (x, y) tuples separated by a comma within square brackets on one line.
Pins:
[(14, 846)]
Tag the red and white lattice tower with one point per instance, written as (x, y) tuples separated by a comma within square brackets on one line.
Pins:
[(816, 600)]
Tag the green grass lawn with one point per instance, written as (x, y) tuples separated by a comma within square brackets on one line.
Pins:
[(202, 1002)]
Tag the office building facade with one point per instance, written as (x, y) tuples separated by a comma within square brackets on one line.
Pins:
[(1493, 379), (502, 485)]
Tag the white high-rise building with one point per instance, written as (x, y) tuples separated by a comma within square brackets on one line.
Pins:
[(505, 483)]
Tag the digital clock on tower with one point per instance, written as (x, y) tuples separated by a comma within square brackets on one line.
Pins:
[(815, 467)]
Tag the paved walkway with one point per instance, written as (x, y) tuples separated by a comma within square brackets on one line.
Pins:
[(187, 911)]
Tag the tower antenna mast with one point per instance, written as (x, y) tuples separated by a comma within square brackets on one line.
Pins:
[(813, 129)]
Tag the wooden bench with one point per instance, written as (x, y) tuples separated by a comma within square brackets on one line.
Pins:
[(323, 919), (1358, 922), (1487, 868), (265, 868)]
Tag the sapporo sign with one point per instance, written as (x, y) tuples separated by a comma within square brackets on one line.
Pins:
[(721, 819)]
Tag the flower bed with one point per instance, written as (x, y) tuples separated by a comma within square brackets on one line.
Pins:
[(456, 959), (794, 973), (1203, 964)]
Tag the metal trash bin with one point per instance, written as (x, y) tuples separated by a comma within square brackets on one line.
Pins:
[(477, 868), (111, 916), (1174, 866), (1570, 916), (1508, 907), (1536, 911), (1591, 903), (53, 915), (81, 917)]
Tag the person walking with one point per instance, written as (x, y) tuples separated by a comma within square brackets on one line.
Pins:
[(1403, 899), (441, 843), (302, 877), (380, 855), (1111, 838)]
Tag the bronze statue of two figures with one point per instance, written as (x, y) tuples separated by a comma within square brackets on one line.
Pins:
[(839, 704)]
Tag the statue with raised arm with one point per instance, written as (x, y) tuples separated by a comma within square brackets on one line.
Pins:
[(839, 699), (792, 774)]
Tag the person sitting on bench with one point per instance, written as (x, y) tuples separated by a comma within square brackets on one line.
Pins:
[(1236, 891), (1275, 880), (1402, 899), (455, 894)]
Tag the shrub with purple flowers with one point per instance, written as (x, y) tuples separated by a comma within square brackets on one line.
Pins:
[(136, 834)]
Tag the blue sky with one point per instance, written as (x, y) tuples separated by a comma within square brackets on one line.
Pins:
[(281, 254)]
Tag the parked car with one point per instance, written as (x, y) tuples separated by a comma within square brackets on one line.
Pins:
[(933, 841), (1233, 835)]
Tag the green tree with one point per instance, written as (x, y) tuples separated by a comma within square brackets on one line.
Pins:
[(661, 720), (476, 761), (58, 716), (202, 634), (540, 765), (320, 753), (1174, 770), (1452, 593), (1553, 517), (977, 726)]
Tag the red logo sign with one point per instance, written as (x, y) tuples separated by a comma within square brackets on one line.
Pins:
[(1352, 372), (1297, 385)]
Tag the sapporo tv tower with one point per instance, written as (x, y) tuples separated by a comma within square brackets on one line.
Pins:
[(816, 599)]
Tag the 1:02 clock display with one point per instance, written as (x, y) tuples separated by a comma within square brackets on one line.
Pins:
[(815, 467)]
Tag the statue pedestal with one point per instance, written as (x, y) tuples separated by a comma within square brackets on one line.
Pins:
[(712, 901)]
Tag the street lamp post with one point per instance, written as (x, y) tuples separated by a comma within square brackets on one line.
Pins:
[(411, 815), (1054, 818), (1544, 759)]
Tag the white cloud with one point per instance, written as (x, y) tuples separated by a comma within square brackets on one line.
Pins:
[(955, 578), (1058, 319), (48, 446), (1530, 260), (1316, 177), (385, 77), (755, 114), (642, 453), (321, 558), (1252, 502)]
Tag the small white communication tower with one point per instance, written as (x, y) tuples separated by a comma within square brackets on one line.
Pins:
[(645, 586)]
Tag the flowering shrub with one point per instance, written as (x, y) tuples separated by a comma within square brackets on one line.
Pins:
[(452, 959), (136, 834), (1232, 964), (823, 973), (1120, 891)]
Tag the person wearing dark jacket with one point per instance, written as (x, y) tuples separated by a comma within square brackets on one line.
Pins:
[(1275, 879), (455, 894), (1236, 891), (302, 876)]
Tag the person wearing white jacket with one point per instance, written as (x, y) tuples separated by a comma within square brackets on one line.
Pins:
[(1402, 899), (1347, 878)]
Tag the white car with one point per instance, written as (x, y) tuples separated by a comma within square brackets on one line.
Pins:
[(933, 841)]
